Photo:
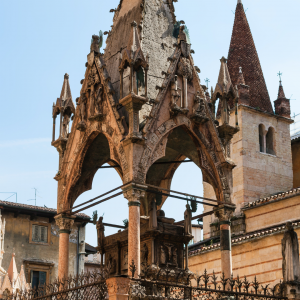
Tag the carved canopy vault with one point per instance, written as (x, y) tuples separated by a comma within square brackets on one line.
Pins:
[(180, 125)]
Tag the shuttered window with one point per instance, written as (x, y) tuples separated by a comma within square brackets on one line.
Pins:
[(39, 234)]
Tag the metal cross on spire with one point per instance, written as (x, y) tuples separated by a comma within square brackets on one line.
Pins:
[(279, 74), (207, 81)]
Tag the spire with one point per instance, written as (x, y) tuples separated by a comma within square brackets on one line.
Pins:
[(12, 270), (242, 53), (224, 84), (133, 53), (281, 94), (282, 105), (65, 98), (66, 90)]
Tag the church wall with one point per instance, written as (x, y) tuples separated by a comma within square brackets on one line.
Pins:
[(17, 240), (259, 174), (260, 257), (296, 163), (271, 214)]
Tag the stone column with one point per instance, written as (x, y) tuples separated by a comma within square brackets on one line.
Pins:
[(134, 195), (81, 254), (224, 212), (65, 223)]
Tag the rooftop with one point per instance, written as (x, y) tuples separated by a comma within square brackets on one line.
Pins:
[(31, 209)]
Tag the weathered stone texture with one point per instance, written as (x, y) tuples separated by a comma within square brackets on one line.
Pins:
[(157, 23), (259, 174)]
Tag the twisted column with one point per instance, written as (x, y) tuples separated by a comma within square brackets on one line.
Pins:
[(65, 223), (134, 196)]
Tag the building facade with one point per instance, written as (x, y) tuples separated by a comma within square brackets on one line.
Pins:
[(30, 243)]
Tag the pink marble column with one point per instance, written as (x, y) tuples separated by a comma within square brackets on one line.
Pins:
[(65, 224), (134, 195), (224, 213), (226, 257)]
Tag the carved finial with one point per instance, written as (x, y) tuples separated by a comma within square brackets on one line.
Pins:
[(239, 1), (241, 70), (66, 76), (223, 59), (134, 24)]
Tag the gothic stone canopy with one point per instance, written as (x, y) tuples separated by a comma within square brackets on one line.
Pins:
[(180, 125)]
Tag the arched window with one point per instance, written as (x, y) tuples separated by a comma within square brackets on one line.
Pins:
[(261, 138), (270, 139)]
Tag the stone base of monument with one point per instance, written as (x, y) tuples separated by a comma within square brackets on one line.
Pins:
[(292, 290), (118, 288)]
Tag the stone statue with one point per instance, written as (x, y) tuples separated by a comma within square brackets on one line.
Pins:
[(175, 257), (65, 126), (188, 220), (199, 106), (290, 254), (82, 108), (144, 255), (98, 99), (100, 233), (162, 255)]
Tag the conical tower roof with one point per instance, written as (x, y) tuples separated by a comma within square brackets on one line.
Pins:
[(281, 94), (242, 53), (65, 98), (66, 90)]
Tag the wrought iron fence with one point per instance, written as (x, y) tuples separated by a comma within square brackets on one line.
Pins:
[(88, 286), (172, 283)]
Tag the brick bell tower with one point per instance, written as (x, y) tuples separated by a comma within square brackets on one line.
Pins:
[(261, 149)]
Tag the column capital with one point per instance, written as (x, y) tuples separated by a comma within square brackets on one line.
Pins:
[(224, 212), (64, 222), (134, 193)]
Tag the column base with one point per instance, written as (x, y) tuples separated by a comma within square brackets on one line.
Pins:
[(118, 288)]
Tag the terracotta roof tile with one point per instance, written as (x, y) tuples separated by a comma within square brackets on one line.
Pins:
[(242, 53), (36, 208)]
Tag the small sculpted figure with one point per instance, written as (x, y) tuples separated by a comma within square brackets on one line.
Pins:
[(290, 255), (65, 126), (100, 232), (188, 220), (163, 257)]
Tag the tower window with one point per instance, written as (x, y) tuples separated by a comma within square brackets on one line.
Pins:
[(262, 138), (270, 141)]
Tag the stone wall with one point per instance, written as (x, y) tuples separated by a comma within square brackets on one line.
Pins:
[(259, 174), (259, 257), (155, 22), (272, 213)]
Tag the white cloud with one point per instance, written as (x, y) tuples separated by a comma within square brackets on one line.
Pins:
[(25, 142)]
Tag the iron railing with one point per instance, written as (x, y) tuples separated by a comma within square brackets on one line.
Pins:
[(88, 286), (172, 283)]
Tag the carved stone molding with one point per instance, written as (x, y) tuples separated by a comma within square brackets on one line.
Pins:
[(64, 223), (185, 68)]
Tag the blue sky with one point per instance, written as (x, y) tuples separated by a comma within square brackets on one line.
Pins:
[(43, 40)]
